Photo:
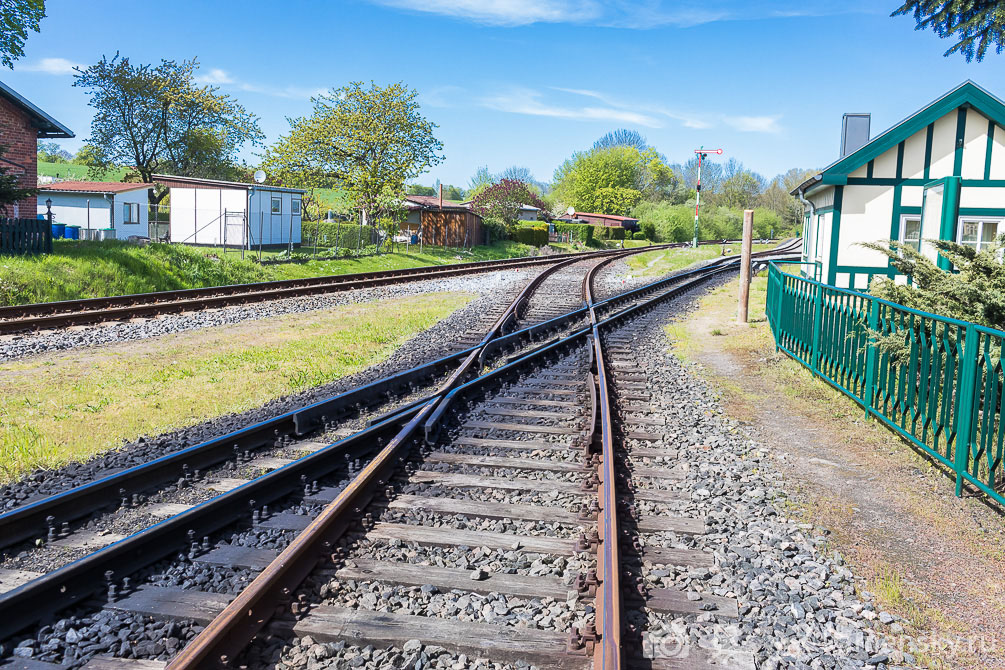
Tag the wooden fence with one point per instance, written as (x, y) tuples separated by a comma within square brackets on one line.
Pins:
[(25, 236)]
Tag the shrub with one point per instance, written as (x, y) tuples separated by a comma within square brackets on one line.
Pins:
[(639, 236), (534, 235), (609, 233), (648, 230), (331, 234), (581, 232)]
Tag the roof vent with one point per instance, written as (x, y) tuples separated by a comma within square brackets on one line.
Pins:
[(854, 132)]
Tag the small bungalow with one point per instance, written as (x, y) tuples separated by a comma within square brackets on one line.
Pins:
[(442, 222), (213, 212), (97, 205), (22, 124), (938, 174), (609, 220)]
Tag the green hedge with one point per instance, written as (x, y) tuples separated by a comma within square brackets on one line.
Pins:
[(332, 234), (609, 233), (581, 232), (535, 235), (639, 236)]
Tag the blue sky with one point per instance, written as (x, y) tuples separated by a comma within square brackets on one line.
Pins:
[(528, 82)]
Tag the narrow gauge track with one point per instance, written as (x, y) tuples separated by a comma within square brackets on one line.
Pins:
[(146, 494), (345, 488), (38, 316)]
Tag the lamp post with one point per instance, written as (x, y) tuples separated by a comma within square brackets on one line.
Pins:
[(702, 154)]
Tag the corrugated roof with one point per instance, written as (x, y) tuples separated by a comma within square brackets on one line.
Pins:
[(47, 126), (92, 187)]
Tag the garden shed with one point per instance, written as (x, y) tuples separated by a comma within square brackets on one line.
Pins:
[(95, 205), (938, 174), (443, 223), (213, 212)]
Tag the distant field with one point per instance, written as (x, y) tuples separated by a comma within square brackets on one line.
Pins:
[(77, 172)]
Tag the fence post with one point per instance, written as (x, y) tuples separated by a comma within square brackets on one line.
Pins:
[(818, 310), (871, 356), (965, 407)]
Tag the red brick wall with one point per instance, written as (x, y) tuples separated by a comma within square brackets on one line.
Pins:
[(20, 141)]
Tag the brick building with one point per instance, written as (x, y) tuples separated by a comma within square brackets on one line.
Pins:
[(21, 125)]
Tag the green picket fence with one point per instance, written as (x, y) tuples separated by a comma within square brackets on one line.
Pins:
[(936, 381), (25, 236)]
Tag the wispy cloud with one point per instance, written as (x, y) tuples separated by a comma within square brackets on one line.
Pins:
[(518, 100), (440, 96), (628, 13), (56, 66), (687, 120), (753, 124), (226, 81)]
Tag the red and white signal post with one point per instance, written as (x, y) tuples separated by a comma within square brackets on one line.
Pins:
[(702, 155)]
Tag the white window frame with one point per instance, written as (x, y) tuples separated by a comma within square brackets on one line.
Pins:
[(272, 204), (817, 242), (978, 219), (904, 218), (295, 207)]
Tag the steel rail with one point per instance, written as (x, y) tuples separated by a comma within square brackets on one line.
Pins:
[(19, 318), (270, 593)]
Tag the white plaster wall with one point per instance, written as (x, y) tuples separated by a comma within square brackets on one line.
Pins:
[(885, 165), (998, 154), (975, 145), (124, 230), (71, 209), (990, 196), (866, 213), (914, 155), (943, 146)]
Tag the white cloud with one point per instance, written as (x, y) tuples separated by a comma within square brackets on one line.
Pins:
[(440, 96), (55, 66), (687, 120), (215, 76), (527, 101), (753, 124), (637, 14), (506, 12)]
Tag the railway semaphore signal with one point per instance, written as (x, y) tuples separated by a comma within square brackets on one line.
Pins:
[(702, 155)]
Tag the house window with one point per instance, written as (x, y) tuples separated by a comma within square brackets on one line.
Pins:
[(277, 205), (977, 232), (910, 231), (816, 244), (295, 208), (130, 212)]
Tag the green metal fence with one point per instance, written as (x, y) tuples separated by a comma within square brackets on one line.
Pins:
[(936, 381)]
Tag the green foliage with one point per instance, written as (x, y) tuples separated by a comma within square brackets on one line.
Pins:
[(622, 137), (976, 24), (612, 180), (419, 189), (609, 233), (535, 235), (667, 222), (10, 188), (975, 292), (502, 201), (639, 235), (51, 152), (17, 17), (347, 236), (581, 232), (648, 230), (157, 119), (368, 142)]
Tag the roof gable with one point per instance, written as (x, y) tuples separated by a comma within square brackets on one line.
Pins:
[(47, 126), (966, 94)]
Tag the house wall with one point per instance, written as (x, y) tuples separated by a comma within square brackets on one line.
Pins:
[(451, 228), (197, 215), (122, 229), (527, 215), (877, 195), (269, 228), (72, 209), (20, 139)]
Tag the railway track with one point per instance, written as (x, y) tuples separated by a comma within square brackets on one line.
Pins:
[(519, 428), (52, 315)]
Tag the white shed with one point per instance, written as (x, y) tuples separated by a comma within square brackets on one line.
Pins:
[(97, 205), (212, 212)]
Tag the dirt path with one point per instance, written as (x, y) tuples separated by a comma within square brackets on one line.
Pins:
[(934, 559)]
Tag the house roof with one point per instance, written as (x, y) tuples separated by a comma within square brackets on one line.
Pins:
[(184, 182), (92, 187), (967, 94), (47, 126), (433, 202), (614, 217)]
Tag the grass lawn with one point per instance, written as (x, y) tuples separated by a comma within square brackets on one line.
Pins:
[(98, 269), (658, 263), (77, 172), (70, 406)]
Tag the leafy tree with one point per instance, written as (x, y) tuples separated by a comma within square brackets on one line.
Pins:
[(17, 17), (157, 119), (622, 137), (974, 292), (51, 152), (740, 190), (517, 173), (482, 177), (453, 193), (10, 190), (368, 141), (711, 176), (612, 181), (975, 24), (419, 189), (502, 201)]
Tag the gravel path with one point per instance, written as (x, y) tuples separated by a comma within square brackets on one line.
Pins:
[(30, 344), (424, 347)]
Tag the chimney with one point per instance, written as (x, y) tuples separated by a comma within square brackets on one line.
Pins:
[(854, 132), (441, 196)]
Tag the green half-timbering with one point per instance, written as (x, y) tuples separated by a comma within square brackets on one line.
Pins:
[(952, 151)]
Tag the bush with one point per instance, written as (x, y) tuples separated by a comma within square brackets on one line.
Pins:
[(609, 233), (331, 234), (639, 236), (648, 230), (581, 232), (534, 235)]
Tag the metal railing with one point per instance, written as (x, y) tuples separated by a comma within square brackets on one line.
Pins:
[(936, 381)]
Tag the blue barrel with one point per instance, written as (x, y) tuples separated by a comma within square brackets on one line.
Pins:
[(72, 232), (415, 239), (58, 230)]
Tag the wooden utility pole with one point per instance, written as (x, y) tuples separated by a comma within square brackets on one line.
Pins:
[(748, 234)]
